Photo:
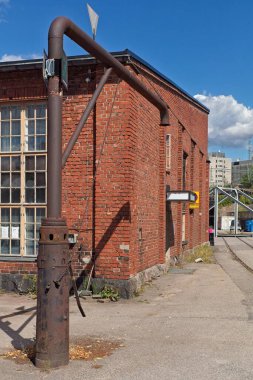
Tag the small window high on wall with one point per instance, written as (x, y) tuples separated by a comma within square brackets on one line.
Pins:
[(23, 168)]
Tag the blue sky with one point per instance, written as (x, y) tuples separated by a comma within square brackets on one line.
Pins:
[(206, 47)]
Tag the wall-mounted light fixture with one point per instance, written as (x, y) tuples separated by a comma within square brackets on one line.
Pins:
[(181, 196)]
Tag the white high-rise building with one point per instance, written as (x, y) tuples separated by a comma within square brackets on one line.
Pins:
[(220, 169)]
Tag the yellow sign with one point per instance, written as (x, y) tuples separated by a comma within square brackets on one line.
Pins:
[(195, 204)]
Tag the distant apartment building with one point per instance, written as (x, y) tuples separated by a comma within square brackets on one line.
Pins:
[(220, 169), (239, 170)]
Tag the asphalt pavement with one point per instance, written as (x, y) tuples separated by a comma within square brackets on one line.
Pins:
[(195, 323)]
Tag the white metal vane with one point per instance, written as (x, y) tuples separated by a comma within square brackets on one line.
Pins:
[(93, 20)]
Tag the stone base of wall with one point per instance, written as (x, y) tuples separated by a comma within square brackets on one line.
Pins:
[(129, 288), (126, 288), (17, 282)]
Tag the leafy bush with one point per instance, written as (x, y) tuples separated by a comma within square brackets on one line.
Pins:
[(110, 292)]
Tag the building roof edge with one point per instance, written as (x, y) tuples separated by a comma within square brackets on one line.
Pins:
[(36, 63)]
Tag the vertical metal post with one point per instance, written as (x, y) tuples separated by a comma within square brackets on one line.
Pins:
[(52, 328), (236, 211), (54, 146), (216, 211)]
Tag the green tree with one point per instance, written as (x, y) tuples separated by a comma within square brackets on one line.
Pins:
[(247, 179)]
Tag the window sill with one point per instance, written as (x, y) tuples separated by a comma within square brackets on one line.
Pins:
[(18, 258)]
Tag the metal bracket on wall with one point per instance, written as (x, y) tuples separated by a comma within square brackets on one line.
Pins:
[(48, 68), (52, 67)]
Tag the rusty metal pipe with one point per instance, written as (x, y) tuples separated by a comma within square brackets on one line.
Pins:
[(52, 328), (62, 25), (54, 147), (85, 116), (52, 325)]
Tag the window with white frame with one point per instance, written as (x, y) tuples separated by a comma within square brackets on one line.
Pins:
[(23, 166), (168, 152)]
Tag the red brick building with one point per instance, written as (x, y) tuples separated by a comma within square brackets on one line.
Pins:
[(115, 180)]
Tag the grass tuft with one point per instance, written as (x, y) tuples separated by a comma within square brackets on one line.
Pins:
[(205, 252)]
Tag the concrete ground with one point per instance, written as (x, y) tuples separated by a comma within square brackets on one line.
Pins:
[(184, 326)]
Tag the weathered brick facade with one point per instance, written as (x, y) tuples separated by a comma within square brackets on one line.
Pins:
[(114, 182)]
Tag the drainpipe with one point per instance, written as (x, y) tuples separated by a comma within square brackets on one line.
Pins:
[(52, 327)]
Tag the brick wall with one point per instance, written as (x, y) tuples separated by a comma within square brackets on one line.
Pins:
[(114, 182)]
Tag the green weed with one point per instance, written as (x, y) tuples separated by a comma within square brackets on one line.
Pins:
[(204, 252)]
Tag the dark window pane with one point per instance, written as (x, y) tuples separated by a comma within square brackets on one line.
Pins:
[(37, 232), (41, 163), (15, 215), (29, 163), (5, 215), (30, 143), (5, 196), (29, 212), (15, 247), (15, 180), (29, 231), (37, 248), (40, 195), (5, 128), (40, 143), (5, 113), (29, 179), (15, 144), (5, 247), (5, 144), (16, 126), (41, 111), (5, 164), (30, 248), (30, 127), (15, 112), (41, 127), (30, 112), (5, 180), (15, 195), (29, 195), (40, 179), (15, 164), (40, 213)]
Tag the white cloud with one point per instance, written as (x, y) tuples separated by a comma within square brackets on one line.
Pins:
[(230, 122), (13, 57), (34, 56), (4, 2), (10, 57)]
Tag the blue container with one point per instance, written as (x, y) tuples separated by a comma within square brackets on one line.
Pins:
[(249, 225)]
